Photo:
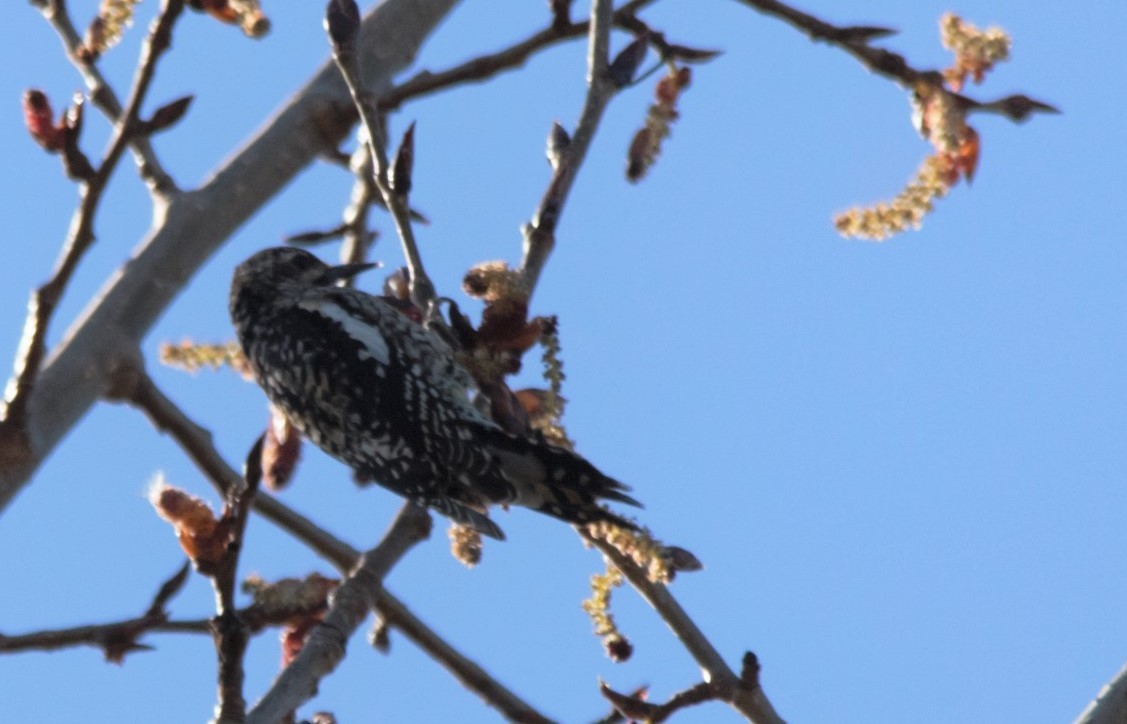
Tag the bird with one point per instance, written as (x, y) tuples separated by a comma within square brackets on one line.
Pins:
[(386, 395)]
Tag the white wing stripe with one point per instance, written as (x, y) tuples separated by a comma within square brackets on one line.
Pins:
[(366, 334)]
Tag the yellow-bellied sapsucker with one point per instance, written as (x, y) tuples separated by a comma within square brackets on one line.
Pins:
[(385, 395)]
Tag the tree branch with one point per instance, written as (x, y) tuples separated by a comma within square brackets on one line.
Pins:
[(115, 639), (325, 647), (229, 631), (1110, 704), (634, 708), (855, 39), (540, 233), (470, 674), (743, 693), (106, 635), (343, 32), (486, 66), (357, 237)]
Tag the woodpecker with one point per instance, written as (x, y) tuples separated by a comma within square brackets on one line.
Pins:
[(385, 395)]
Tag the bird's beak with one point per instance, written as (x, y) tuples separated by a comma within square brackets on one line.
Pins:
[(344, 271)]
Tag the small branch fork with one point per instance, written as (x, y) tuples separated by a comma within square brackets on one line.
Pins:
[(122, 636), (486, 66), (115, 639), (33, 343), (325, 647), (342, 21), (540, 233), (743, 692), (229, 631), (855, 40)]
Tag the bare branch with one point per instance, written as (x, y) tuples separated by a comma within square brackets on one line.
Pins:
[(110, 636), (102, 636), (472, 676), (1017, 108), (561, 13), (230, 632), (357, 236), (343, 36), (634, 708), (325, 646), (486, 66), (853, 39), (856, 39), (116, 639), (749, 700), (540, 233), (668, 51)]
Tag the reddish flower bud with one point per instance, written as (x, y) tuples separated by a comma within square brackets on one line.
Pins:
[(37, 116), (281, 451)]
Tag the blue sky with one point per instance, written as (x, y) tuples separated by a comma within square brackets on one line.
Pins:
[(903, 465)]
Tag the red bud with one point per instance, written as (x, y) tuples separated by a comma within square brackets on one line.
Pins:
[(37, 115)]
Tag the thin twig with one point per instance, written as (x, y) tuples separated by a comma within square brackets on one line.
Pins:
[(104, 634), (229, 631), (96, 635), (33, 343), (115, 640), (344, 48), (469, 673), (635, 708), (750, 701), (855, 40), (357, 236), (852, 39), (477, 69), (540, 233), (486, 66), (325, 647), (239, 500), (134, 386)]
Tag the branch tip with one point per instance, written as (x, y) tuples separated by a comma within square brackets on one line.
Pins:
[(342, 23)]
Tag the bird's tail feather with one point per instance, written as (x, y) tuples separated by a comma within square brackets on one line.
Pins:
[(557, 482)]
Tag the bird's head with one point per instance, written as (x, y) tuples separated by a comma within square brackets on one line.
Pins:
[(286, 265), (279, 276)]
